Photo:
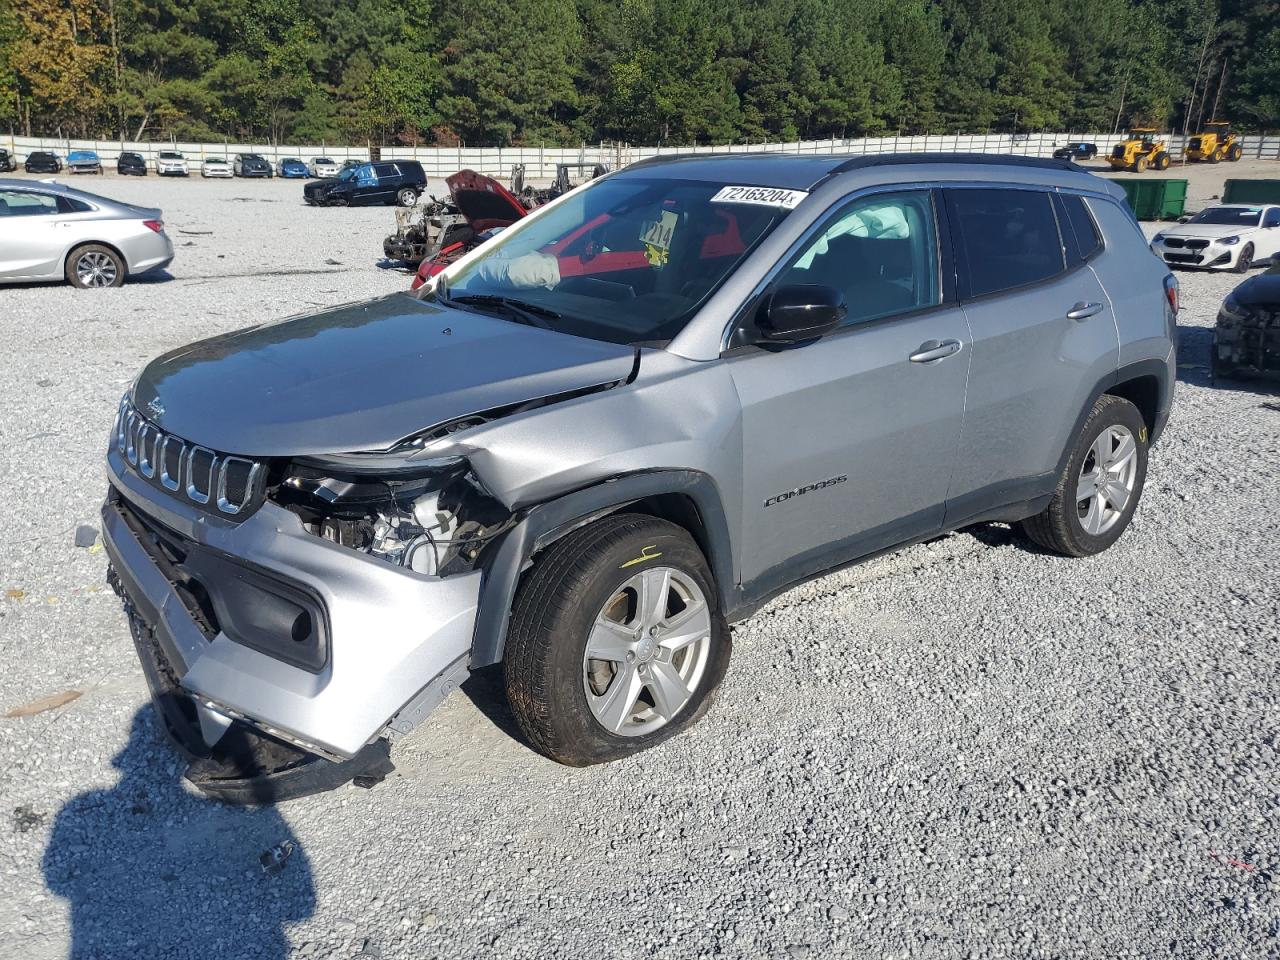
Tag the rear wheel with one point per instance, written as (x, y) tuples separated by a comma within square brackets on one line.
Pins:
[(1235, 152), (94, 265), (1099, 488), (617, 642), (407, 197), (1245, 260), (1162, 161)]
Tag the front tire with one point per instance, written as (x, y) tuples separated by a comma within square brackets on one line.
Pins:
[(1099, 488), (1245, 260), (94, 265), (617, 641)]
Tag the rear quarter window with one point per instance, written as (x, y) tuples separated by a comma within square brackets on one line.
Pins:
[(1079, 233), (1004, 239)]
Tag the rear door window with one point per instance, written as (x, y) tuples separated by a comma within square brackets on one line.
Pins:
[(20, 203), (1004, 239)]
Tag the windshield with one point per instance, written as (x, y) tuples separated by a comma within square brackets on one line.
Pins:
[(215, 160), (346, 173), (625, 260), (1235, 216), (170, 156), (82, 155)]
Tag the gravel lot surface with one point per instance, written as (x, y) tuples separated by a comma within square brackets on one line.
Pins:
[(967, 749)]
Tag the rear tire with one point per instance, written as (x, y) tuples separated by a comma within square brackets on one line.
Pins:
[(1235, 153), (654, 681), (1080, 526), (93, 266), (1162, 161), (407, 197)]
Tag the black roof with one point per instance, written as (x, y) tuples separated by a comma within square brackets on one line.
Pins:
[(804, 172)]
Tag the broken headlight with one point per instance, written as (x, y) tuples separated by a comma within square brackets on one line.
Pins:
[(433, 519)]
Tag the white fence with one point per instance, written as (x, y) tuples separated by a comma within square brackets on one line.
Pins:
[(540, 162)]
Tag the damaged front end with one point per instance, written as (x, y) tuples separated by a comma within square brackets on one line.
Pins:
[(287, 649), (423, 230), (1246, 338)]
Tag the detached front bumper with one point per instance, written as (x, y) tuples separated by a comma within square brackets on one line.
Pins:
[(264, 624)]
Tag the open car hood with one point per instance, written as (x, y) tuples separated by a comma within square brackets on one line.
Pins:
[(363, 377), (484, 201)]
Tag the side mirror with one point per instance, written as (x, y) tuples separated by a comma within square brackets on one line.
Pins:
[(1184, 219), (800, 311)]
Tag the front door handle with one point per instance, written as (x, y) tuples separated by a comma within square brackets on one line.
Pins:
[(1083, 311), (932, 350)]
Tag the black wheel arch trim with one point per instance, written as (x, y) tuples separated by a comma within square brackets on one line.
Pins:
[(1130, 371), (547, 522)]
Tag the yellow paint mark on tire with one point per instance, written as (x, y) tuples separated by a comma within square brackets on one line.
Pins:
[(644, 555)]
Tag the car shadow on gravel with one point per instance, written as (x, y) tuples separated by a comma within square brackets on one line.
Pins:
[(149, 870), (487, 693)]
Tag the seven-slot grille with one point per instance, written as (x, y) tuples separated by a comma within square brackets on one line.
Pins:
[(217, 482)]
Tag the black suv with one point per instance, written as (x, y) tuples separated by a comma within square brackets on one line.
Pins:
[(1076, 150), (251, 165), (8, 162), (132, 164), (391, 181), (42, 161)]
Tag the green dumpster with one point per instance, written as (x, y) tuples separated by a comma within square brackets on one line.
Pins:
[(1251, 191), (1153, 199)]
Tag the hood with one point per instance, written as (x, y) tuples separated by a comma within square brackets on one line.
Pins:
[(322, 185), (483, 201), (1260, 291), (1208, 231), (363, 377)]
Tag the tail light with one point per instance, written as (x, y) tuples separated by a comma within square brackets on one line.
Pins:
[(156, 225), (1171, 292)]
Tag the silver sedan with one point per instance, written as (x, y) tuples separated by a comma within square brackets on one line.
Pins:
[(51, 232)]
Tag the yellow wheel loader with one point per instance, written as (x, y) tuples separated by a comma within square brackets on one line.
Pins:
[(1215, 143), (1139, 151)]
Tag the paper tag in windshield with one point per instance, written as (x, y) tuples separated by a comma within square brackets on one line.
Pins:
[(765, 196)]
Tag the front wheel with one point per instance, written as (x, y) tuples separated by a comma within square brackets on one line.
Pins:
[(1234, 153), (1162, 161), (1140, 165), (1245, 260), (94, 265), (617, 641), (1099, 488)]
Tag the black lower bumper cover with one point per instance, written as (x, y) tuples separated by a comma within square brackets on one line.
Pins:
[(246, 766)]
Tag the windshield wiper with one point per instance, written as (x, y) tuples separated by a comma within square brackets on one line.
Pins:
[(533, 314)]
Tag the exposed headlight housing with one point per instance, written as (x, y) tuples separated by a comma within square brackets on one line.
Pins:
[(1231, 310), (430, 516)]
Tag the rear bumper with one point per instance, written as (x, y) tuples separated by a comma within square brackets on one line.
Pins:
[(396, 642)]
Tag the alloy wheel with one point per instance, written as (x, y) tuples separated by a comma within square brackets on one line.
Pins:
[(96, 269), (647, 651), (1106, 481)]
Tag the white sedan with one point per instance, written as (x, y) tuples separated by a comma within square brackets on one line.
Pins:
[(322, 167), (1233, 236), (215, 167)]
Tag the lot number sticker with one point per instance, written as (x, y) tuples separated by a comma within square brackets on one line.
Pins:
[(765, 196)]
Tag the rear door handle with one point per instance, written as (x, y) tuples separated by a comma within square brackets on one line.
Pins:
[(932, 350), (1083, 311)]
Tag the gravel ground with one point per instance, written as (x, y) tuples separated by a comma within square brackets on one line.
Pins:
[(967, 749)]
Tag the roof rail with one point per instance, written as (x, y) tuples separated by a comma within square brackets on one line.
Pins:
[(992, 159)]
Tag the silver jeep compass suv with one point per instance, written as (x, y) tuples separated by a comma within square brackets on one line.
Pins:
[(619, 426)]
